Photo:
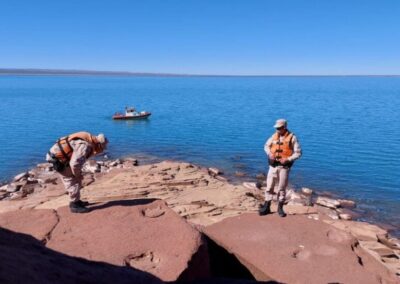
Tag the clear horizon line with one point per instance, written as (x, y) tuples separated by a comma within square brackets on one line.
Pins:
[(45, 71)]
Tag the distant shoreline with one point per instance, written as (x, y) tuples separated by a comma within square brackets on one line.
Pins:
[(62, 72)]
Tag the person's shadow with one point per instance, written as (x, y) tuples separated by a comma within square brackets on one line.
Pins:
[(130, 202)]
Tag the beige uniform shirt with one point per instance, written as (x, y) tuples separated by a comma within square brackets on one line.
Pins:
[(296, 147), (81, 151)]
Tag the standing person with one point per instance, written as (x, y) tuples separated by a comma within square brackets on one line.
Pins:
[(68, 155), (282, 149)]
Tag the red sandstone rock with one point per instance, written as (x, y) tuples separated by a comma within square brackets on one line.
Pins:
[(37, 223), (295, 250), (23, 259), (149, 237)]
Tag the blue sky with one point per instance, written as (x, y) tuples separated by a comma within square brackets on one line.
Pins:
[(204, 36)]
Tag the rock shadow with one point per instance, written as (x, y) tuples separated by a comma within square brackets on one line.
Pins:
[(225, 268), (24, 259)]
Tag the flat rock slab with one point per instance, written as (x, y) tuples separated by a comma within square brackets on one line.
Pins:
[(144, 234), (24, 259), (295, 249), (37, 223), (361, 230)]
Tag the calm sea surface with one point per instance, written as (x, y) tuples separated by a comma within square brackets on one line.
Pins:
[(348, 127)]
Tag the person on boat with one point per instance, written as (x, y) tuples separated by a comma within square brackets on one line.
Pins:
[(68, 155), (282, 149), (129, 109)]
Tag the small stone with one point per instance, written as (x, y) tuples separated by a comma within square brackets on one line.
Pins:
[(91, 166), (15, 195), (306, 191), (115, 163), (13, 187), (49, 169), (345, 216), (21, 176), (347, 203), (327, 202), (4, 187), (153, 212), (214, 171), (333, 215), (32, 180), (130, 162), (47, 180), (221, 178)]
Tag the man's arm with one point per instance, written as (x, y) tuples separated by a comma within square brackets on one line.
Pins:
[(296, 150), (267, 148)]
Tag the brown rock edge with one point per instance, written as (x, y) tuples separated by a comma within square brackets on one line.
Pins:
[(129, 230)]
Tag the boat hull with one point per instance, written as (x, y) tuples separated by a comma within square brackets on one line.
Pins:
[(124, 117)]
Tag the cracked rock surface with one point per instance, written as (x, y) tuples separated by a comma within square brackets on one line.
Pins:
[(128, 228), (37, 223), (24, 259), (297, 250), (118, 233)]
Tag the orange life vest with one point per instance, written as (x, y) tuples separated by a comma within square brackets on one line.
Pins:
[(65, 150), (284, 149)]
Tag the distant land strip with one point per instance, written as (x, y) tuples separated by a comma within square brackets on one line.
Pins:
[(32, 71), (55, 72)]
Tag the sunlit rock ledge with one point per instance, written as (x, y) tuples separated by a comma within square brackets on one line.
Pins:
[(176, 220)]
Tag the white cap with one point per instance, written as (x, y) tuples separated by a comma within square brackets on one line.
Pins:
[(280, 122)]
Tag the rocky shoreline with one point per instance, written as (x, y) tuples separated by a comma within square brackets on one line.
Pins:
[(185, 219)]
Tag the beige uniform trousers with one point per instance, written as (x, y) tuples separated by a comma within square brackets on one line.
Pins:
[(72, 184), (277, 176)]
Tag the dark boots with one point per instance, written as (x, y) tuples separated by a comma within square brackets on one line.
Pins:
[(265, 209), (78, 207), (280, 209), (82, 203)]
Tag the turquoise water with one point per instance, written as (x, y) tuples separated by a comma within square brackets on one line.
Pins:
[(349, 127)]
